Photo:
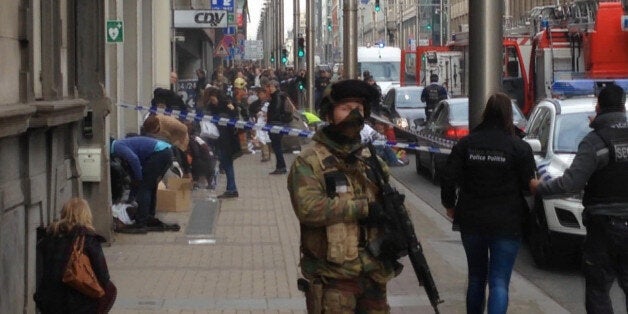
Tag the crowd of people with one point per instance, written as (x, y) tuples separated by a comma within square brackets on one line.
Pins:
[(339, 207)]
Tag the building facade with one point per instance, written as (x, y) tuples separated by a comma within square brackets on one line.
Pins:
[(68, 68)]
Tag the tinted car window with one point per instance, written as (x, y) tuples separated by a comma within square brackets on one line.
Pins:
[(459, 112)]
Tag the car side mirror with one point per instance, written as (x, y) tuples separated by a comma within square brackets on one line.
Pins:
[(535, 144)]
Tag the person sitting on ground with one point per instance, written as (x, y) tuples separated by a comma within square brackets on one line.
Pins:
[(202, 159), (385, 152)]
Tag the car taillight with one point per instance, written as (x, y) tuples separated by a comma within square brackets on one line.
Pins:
[(456, 133)]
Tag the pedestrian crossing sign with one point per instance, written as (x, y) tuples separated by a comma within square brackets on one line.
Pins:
[(221, 51)]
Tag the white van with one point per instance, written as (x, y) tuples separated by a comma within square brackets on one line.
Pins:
[(383, 63)]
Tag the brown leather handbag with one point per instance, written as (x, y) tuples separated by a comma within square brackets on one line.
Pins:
[(79, 273)]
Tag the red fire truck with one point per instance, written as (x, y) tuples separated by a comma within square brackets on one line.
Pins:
[(562, 52)]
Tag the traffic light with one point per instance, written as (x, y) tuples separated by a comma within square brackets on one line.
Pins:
[(272, 57), (284, 56), (330, 27), (377, 8), (301, 47)]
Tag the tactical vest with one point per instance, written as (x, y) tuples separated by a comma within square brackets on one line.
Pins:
[(343, 239), (608, 185), (432, 94)]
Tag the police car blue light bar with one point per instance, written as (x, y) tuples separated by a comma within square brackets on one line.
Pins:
[(583, 87)]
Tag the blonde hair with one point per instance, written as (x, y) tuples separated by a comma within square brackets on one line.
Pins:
[(75, 212)]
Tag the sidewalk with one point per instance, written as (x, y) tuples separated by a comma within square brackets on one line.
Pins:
[(247, 262)]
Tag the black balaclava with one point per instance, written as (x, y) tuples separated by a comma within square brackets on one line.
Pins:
[(348, 130)]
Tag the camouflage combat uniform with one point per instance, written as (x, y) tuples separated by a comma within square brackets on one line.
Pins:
[(332, 239)]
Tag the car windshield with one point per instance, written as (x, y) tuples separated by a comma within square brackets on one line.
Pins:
[(409, 98), (569, 131), (382, 71)]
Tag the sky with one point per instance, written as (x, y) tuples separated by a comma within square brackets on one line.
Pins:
[(255, 7)]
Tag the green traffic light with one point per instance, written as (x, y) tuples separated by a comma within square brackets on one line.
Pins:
[(377, 8), (301, 86), (284, 60), (301, 53)]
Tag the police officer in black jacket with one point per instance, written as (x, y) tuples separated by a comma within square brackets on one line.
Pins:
[(600, 167), (489, 169)]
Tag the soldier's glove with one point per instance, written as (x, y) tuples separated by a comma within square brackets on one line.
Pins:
[(376, 217)]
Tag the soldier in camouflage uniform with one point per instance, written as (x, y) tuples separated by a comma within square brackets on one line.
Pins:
[(335, 199)]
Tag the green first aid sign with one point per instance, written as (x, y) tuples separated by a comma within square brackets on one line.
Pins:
[(115, 31)]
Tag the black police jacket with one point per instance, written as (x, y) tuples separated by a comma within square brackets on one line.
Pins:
[(489, 170)]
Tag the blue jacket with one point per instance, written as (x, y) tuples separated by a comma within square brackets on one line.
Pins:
[(136, 150)]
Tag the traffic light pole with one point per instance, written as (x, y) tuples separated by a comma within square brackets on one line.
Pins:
[(309, 54), (350, 39), (295, 34)]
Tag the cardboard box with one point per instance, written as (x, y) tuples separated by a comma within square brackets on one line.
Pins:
[(177, 197)]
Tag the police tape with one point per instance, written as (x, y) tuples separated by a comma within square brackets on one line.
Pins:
[(278, 129)]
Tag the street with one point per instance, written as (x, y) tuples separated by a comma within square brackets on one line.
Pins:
[(564, 284)]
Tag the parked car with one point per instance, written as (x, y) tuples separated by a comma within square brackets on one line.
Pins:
[(403, 106), (448, 123), (555, 129)]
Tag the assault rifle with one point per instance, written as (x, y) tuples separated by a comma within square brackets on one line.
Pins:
[(399, 234)]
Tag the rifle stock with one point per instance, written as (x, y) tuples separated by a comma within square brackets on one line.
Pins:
[(401, 224)]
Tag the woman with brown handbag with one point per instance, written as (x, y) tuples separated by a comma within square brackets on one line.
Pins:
[(53, 295)]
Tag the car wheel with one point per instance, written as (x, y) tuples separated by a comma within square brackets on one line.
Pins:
[(434, 175), (539, 237)]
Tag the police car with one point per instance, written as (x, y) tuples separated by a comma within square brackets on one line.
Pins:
[(554, 131)]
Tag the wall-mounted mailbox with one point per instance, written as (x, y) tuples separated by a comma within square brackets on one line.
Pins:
[(90, 163)]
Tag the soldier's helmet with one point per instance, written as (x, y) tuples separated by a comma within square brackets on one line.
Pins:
[(348, 90)]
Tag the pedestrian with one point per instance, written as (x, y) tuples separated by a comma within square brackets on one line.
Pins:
[(259, 110), (200, 86), (54, 296), (432, 95), (174, 80), (279, 113), (240, 96), (149, 159), (227, 143), (338, 208), (481, 189), (600, 168)]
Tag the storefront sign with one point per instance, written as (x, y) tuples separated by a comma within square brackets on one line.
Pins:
[(200, 19)]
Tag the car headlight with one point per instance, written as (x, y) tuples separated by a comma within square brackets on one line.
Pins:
[(401, 123)]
